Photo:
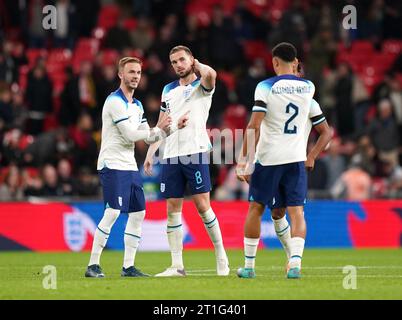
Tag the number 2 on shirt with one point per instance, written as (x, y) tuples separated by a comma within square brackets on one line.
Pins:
[(295, 112)]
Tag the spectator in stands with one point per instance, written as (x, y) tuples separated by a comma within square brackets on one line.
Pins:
[(353, 185), (118, 37), (33, 183), (87, 89), (37, 34), (86, 16), (335, 162), (51, 186), (322, 51), (14, 144), (70, 100), (222, 41), (393, 174), (318, 178), (345, 112), (66, 180), (8, 67), (47, 147), (6, 109), (39, 98), (85, 149), (247, 83), (366, 155), (63, 35), (88, 184), (384, 132), (142, 36), (10, 189), (19, 110)]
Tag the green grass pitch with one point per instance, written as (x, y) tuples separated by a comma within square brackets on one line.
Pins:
[(379, 276)]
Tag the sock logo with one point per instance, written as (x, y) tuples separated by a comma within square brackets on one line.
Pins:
[(120, 199), (162, 187)]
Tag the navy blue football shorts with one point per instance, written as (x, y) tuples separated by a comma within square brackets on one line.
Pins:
[(122, 190), (279, 186), (177, 172)]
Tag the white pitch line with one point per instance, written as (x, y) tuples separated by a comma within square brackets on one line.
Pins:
[(303, 268)]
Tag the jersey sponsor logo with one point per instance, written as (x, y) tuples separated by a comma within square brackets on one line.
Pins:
[(162, 187)]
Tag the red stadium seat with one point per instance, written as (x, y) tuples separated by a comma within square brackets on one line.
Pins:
[(108, 16), (130, 24), (23, 77), (34, 54), (393, 47), (109, 56), (255, 49), (228, 78), (362, 47)]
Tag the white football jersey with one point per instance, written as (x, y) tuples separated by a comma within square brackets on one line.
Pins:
[(176, 101), (290, 113), (116, 152)]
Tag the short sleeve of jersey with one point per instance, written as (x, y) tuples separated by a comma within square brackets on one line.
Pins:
[(261, 98), (316, 116), (143, 119), (117, 109), (207, 92), (163, 103)]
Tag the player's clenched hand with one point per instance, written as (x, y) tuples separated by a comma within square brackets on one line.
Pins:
[(309, 163), (165, 123), (183, 120), (241, 172), (148, 166)]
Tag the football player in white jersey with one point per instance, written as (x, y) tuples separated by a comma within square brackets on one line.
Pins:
[(123, 123), (186, 157), (283, 114)]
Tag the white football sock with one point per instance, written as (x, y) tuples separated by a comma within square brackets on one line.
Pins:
[(282, 229), (102, 234), (175, 239), (296, 251), (132, 236), (250, 251), (214, 232)]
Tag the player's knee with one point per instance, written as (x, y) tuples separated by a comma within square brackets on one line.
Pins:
[(134, 222), (278, 213), (174, 218), (109, 218), (174, 205)]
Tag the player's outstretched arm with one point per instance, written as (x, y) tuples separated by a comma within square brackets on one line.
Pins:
[(247, 153), (208, 75), (324, 138), (136, 133)]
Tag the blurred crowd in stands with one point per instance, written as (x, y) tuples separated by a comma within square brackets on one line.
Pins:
[(53, 84)]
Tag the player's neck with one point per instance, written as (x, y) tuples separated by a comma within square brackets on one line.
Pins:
[(128, 93), (284, 71), (187, 80)]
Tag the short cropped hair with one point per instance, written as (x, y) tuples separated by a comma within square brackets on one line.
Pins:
[(285, 51), (125, 60), (180, 48)]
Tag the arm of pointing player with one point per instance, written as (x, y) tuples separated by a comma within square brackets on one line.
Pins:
[(148, 163), (134, 133)]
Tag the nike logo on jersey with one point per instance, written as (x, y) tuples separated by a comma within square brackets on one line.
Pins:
[(197, 188)]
